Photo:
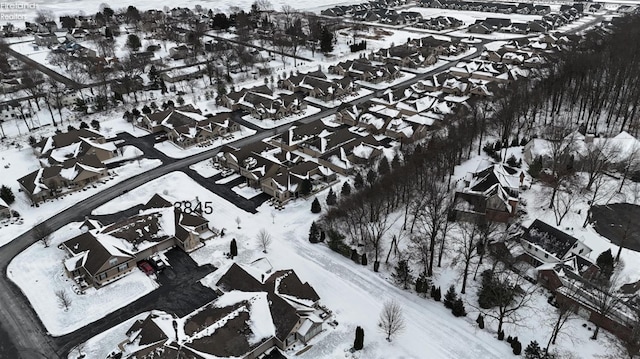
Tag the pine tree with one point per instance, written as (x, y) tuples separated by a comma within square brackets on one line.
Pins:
[(233, 248), (383, 166), (7, 195), (331, 197), (314, 233), (437, 294), (450, 297), (322, 235), (402, 273), (306, 187), (396, 162), (501, 335), (480, 321), (371, 177), (533, 351), (358, 182), (346, 190), (326, 40), (458, 308), (605, 262), (315, 206), (510, 340), (363, 260), (358, 343), (516, 346), (422, 283)]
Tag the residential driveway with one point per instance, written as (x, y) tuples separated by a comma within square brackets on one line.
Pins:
[(180, 293), (618, 222)]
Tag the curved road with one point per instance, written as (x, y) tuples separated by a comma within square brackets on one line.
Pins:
[(24, 335)]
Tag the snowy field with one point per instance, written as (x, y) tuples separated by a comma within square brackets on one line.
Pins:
[(40, 273)]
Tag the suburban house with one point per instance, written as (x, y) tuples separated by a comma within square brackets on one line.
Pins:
[(364, 70), (543, 243), (187, 127), (258, 311), (276, 171), (261, 103), (46, 39), (491, 194), (406, 56), (104, 253), (315, 84), (70, 161)]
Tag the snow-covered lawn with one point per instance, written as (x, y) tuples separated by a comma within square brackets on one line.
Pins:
[(173, 151), (245, 191), (470, 17), (40, 273), (205, 169), (269, 123)]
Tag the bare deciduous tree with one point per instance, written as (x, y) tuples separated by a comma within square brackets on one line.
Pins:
[(468, 239), (42, 232), (64, 300), (391, 319), (604, 296), (264, 240)]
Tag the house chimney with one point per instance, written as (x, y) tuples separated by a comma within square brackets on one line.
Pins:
[(588, 138)]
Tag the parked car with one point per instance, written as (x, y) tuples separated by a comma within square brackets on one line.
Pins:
[(227, 172), (157, 263), (146, 268)]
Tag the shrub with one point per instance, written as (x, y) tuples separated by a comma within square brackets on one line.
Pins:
[(480, 321), (458, 309), (450, 297)]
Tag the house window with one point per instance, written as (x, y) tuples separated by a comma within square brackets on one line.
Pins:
[(546, 255), (113, 261), (102, 276), (123, 267), (580, 251)]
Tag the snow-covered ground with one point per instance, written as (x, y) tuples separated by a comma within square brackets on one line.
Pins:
[(335, 103), (173, 151), (205, 168), (40, 273), (356, 294), (246, 191)]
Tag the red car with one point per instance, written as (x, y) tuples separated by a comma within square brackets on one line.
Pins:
[(146, 268)]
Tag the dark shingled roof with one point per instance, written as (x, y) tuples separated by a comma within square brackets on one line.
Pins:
[(549, 238), (149, 331)]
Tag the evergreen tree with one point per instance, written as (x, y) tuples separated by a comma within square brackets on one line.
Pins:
[(436, 294), (358, 182), (402, 273), (516, 346), (535, 167), (363, 260), (315, 206), (480, 321), (458, 308), (354, 256), (32, 141), (533, 351), (605, 262), (501, 335), (346, 190), (450, 297), (422, 283), (331, 197), (233, 248), (7, 195), (322, 235), (510, 340), (358, 343), (383, 166), (314, 233), (396, 162), (133, 42), (84, 125), (95, 124), (306, 187), (326, 40), (371, 177)]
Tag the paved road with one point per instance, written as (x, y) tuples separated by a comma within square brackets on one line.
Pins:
[(24, 330)]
